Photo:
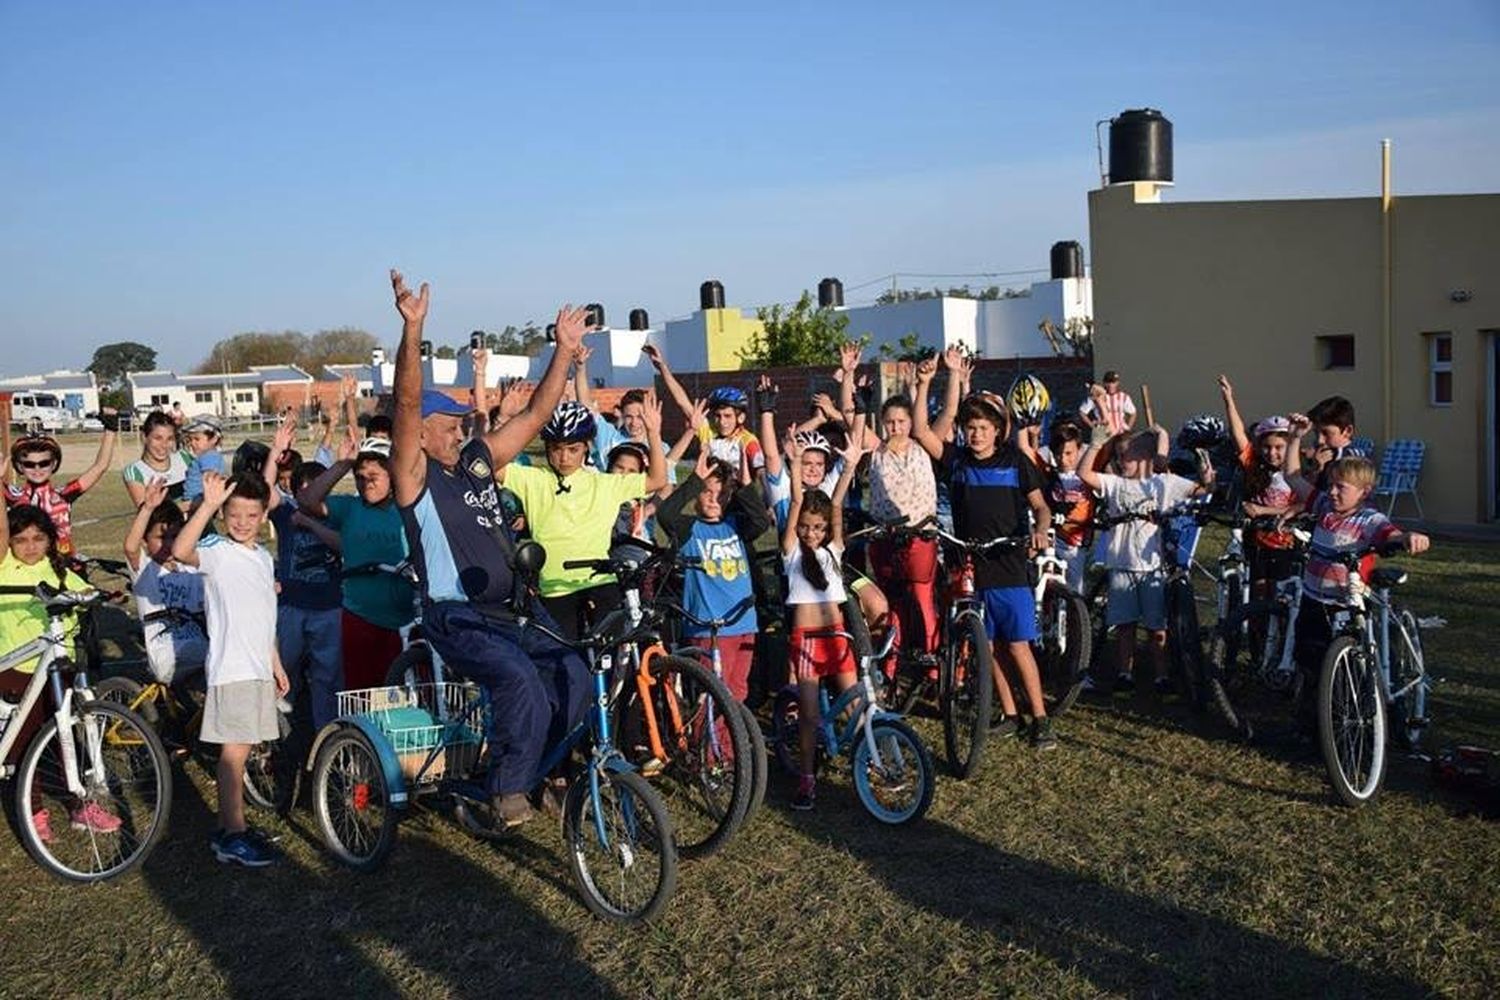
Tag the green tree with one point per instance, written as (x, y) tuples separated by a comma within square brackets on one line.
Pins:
[(802, 335), (444, 351), (239, 352), (528, 340), (344, 345), (908, 348), (112, 362)]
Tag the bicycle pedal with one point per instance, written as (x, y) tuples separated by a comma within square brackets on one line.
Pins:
[(653, 766)]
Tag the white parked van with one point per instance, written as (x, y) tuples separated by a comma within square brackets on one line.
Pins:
[(35, 412)]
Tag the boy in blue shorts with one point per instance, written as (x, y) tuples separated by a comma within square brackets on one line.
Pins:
[(993, 485)]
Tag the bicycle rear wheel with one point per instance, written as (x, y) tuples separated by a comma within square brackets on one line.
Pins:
[(786, 714), (707, 774), (352, 802), (127, 794), (1185, 644), (627, 874), (1063, 650), (1351, 721), (968, 690), (412, 667), (1410, 709), (759, 763)]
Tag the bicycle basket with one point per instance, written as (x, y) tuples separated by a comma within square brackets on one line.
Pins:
[(417, 718)]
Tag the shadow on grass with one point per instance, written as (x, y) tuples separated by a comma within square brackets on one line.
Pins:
[(1121, 941), (428, 915)]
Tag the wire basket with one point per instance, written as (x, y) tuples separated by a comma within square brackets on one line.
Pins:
[(418, 718)]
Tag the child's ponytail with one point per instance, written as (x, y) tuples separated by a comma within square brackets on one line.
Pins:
[(817, 504)]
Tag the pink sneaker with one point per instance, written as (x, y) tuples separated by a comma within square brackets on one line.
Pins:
[(93, 816), (42, 824)]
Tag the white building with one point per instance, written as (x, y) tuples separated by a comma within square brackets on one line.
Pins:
[(227, 394), (76, 392)]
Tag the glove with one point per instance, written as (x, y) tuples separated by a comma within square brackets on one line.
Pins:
[(864, 398), (111, 421), (765, 398)]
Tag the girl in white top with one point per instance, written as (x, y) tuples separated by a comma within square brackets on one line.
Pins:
[(161, 458), (811, 549)]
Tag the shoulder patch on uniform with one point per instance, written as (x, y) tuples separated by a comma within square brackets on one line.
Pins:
[(481, 468), (210, 541)]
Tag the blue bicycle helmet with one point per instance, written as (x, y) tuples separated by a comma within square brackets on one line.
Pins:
[(729, 395), (570, 422)]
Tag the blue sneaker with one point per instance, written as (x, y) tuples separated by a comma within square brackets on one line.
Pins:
[(243, 848)]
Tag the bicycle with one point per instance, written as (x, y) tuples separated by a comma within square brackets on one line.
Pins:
[(1065, 635), (893, 774), (394, 745), (94, 761), (677, 721), (1364, 677)]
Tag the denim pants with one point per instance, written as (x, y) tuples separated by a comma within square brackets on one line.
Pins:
[(311, 650)]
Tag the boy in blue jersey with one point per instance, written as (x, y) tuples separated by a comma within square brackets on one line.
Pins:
[(461, 544)]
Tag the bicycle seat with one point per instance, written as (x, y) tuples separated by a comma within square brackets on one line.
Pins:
[(1387, 577)]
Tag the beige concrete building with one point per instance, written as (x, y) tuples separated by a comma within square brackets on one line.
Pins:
[(1397, 309)]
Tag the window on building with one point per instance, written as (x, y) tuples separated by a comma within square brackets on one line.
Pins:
[(1336, 353), (367, 393), (203, 397), (160, 399), (244, 397), (1440, 369)]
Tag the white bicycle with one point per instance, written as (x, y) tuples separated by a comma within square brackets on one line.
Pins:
[(93, 789)]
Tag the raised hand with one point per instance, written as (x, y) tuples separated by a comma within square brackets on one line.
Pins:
[(582, 353), (216, 490), (704, 466), (1225, 389), (825, 403), (792, 445), (413, 308), (349, 447), (513, 398), (480, 358), (746, 476), (906, 373), (156, 493), (699, 416), (654, 356), (348, 388), (766, 392), (926, 370), (286, 433), (1301, 424), (849, 353), (651, 414), (954, 358), (572, 323)]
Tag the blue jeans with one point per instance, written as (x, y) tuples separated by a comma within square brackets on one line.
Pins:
[(311, 649), (539, 689)]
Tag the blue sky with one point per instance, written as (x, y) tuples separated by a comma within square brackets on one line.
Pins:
[(177, 173)]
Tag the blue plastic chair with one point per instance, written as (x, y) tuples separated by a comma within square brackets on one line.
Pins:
[(1400, 468)]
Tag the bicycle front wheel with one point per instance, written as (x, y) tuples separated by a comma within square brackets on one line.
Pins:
[(1407, 668), (1185, 645), (688, 733), (1351, 721), (1063, 651), (620, 846), (898, 787), (968, 691), (127, 794)]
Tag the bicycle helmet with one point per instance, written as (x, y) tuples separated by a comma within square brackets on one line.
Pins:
[(1028, 400), (814, 441), (29, 443), (1201, 431), (249, 457), (987, 404), (1272, 425), (570, 422), (380, 447), (635, 448), (729, 395)]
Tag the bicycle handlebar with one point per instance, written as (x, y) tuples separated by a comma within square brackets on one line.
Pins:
[(175, 616), (715, 624), (404, 568)]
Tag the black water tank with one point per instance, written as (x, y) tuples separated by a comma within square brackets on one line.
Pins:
[(639, 320), (711, 295), (425, 348), (830, 294), (1140, 147), (1067, 260), (595, 314)]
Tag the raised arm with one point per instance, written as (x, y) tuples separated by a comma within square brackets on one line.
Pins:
[(350, 389), (1088, 467), (106, 453), (135, 537), (216, 490), (508, 441), (1232, 414), (581, 387), (310, 498), (479, 359), (325, 534), (286, 434), (674, 388), (921, 432), (851, 456), (408, 463), (766, 393), (794, 505), (954, 360), (656, 470)]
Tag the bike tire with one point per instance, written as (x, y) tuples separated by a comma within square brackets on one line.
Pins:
[(1352, 722), (413, 666), (967, 695), (352, 802), (1409, 711), (785, 716), (900, 789), (126, 692), (1185, 644), (640, 843), (1064, 657), (707, 779), (759, 763), (1219, 654), (270, 777), (136, 790)]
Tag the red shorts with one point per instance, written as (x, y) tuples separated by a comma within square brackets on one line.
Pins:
[(369, 651), (736, 654), (815, 655)]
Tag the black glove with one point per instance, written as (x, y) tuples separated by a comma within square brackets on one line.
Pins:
[(111, 421), (864, 398), (765, 397)]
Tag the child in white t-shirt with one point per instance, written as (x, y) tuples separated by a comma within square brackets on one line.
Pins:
[(174, 650), (244, 671), (1133, 550)]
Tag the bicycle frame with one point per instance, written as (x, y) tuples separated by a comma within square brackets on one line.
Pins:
[(860, 700), (49, 674), (1375, 631)]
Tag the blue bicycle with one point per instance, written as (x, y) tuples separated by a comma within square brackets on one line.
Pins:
[(392, 746)]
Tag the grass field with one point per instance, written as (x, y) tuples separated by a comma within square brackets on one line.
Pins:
[(1147, 856)]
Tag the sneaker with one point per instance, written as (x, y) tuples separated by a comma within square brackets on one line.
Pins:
[(1087, 685), (1164, 688), (42, 824), (806, 796), (512, 810), (243, 848), (1124, 685), (92, 816), (1041, 734), (554, 794), (1002, 725)]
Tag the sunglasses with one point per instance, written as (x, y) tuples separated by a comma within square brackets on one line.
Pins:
[(45, 463)]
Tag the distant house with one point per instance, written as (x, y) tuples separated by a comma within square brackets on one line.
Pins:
[(76, 392), (227, 394)]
